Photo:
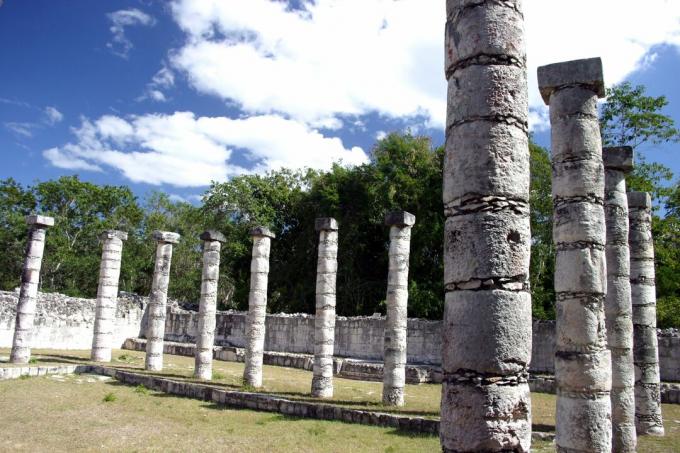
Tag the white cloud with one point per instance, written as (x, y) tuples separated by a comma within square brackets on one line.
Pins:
[(22, 129), (162, 80), (186, 151), (352, 57), (53, 116), (120, 45)]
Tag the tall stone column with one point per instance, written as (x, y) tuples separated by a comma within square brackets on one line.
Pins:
[(394, 355), (28, 294), (257, 306), (618, 310), (582, 360), (107, 294), (645, 343), (155, 330), (324, 321), (486, 345), (207, 309)]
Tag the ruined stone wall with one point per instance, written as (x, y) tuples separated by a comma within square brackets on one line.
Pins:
[(66, 323), (63, 322)]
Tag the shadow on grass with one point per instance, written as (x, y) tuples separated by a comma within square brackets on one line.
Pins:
[(539, 427), (410, 434)]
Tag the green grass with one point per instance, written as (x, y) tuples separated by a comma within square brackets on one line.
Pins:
[(110, 397), (421, 400)]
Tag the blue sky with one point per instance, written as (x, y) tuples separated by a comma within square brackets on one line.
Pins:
[(171, 95)]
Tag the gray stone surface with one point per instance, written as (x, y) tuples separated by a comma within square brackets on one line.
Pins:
[(257, 306), (155, 329), (587, 73), (648, 415), (30, 278), (396, 318), (207, 309), (485, 398), (107, 295), (582, 360), (618, 308), (324, 321), (212, 235)]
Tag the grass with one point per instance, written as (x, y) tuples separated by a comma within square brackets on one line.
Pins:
[(422, 400), (110, 397)]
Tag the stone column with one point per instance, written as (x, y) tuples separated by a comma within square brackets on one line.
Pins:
[(28, 294), (582, 360), (155, 330), (645, 343), (324, 321), (257, 306), (107, 294), (394, 353), (618, 310), (486, 345), (207, 309)]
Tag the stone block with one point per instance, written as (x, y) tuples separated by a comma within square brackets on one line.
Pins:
[(40, 221), (212, 235), (166, 236), (487, 92), (584, 424), (579, 222), (400, 219), (493, 160), (325, 224), (618, 158), (585, 373), (640, 200), (500, 345), (486, 417), (580, 271), (261, 231), (577, 72), (578, 179), (113, 234)]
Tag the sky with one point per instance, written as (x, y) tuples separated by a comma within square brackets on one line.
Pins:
[(170, 96)]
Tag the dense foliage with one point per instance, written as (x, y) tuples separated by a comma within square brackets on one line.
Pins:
[(404, 172)]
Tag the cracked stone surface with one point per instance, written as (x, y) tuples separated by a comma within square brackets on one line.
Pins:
[(324, 321), (648, 415), (394, 372), (28, 294), (618, 309), (257, 306), (582, 360), (486, 344), (207, 308), (155, 330), (107, 294)]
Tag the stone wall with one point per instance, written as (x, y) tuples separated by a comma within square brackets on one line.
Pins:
[(66, 323), (63, 322)]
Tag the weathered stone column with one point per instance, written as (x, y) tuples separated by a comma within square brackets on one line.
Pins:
[(394, 355), (207, 309), (324, 321), (618, 310), (28, 294), (107, 294), (486, 345), (155, 330), (582, 360), (645, 343), (257, 306)]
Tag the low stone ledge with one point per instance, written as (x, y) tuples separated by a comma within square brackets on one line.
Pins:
[(41, 370)]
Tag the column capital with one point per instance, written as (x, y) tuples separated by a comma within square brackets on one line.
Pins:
[(618, 158), (325, 224), (211, 236), (586, 72), (639, 200), (261, 231), (39, 221), (400, 219), (166, 236), (112, 234)]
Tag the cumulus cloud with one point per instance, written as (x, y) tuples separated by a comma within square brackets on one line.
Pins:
[(352, 57), (188, 151), (53, 116), (120, 44)]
